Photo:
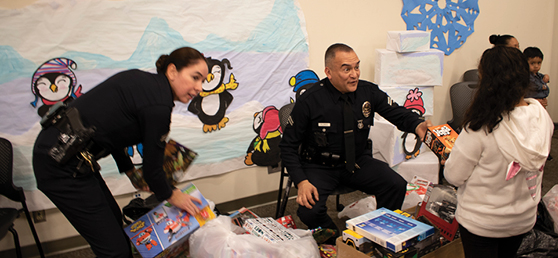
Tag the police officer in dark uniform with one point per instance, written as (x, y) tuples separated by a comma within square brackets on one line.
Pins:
[(128, 108), (326, 144)]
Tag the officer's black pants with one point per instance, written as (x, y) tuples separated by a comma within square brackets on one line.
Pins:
[(85, 200), (374, 177)]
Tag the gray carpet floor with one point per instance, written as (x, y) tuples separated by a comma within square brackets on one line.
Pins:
[(268, 210)]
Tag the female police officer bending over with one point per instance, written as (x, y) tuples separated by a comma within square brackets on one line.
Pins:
[(128, 108)]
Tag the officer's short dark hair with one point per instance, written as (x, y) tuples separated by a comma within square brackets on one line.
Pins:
[(331, 50)]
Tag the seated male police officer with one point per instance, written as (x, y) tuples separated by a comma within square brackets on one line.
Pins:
[(321, 150)]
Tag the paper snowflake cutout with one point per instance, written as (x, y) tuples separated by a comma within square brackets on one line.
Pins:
[(450, 22)]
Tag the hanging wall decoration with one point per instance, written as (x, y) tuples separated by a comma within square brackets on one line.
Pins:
[(450, 21)]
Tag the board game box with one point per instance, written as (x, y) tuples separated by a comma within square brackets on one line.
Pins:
[(163, 231), (389, 229)]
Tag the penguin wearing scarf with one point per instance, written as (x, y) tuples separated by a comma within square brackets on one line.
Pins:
[(264, 149)]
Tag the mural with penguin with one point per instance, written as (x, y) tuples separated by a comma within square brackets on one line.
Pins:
[(411, 142), (302, 81), (54, 81), (212, 103), (264, 149)]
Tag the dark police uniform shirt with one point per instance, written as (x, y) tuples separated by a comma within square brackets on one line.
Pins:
[(128, 108), (319, 111)]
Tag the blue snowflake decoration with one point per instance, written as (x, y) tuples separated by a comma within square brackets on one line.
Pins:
[(449, 26)]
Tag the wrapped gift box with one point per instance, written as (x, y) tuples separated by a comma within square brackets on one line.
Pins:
[(386, 142), (426, 165), (408, 41), (418, 98), (409, 69)]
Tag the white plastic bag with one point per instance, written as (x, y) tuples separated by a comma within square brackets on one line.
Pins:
[(359, 207), (411, 200), (550, 199), (218, 238)]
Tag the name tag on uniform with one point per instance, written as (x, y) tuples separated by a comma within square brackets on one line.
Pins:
[(324, 124)]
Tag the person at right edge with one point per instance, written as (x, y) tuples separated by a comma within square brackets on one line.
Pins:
[(497, 160), (336, 152)]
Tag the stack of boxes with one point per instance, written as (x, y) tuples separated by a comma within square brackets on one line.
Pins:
[(386, 233), (407, 70)]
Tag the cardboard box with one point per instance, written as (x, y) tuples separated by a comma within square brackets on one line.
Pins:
[(390, 229), (440, 140), (163, 231), (408, 41), (453, 249), (409, 69)]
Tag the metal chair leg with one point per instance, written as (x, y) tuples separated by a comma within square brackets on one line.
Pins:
[(277, 209), (16, 241), (285, 198), (32, 226)]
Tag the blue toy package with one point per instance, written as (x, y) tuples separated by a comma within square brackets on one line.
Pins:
[(389, 229), (164, 230)]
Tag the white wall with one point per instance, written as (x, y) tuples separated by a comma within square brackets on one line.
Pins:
[(363, 24)]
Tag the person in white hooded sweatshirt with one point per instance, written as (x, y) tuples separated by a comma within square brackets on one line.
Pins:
[(498, 159)]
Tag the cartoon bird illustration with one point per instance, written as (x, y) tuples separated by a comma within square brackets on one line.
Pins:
[(136, 153), (210, 105), (411, 142), (54, 81), (173, 226), (144, 238), (302, 81), (264, 149)]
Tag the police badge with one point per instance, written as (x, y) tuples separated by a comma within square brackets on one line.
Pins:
[(366, 109)]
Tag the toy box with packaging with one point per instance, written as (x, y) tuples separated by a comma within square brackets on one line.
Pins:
[(389, 229), (176, 160), (440, 140), (438, 206), (433, 246), (163, 231)]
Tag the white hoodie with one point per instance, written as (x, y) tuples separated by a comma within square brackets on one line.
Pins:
[(487, 203)]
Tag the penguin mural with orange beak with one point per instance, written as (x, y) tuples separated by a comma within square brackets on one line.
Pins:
[(54, 81), (264, 149), (212, 103)]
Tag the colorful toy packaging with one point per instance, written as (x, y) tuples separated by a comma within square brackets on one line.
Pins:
[(164, 230), (440, 140), (175, 162)]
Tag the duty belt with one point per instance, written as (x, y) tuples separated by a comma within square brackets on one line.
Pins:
[(74, 139)]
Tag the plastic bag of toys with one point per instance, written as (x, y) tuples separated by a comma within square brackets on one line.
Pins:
[(221, 238)]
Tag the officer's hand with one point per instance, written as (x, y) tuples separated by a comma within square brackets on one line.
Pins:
[(307, 193), (421, 129), (184, 201)]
